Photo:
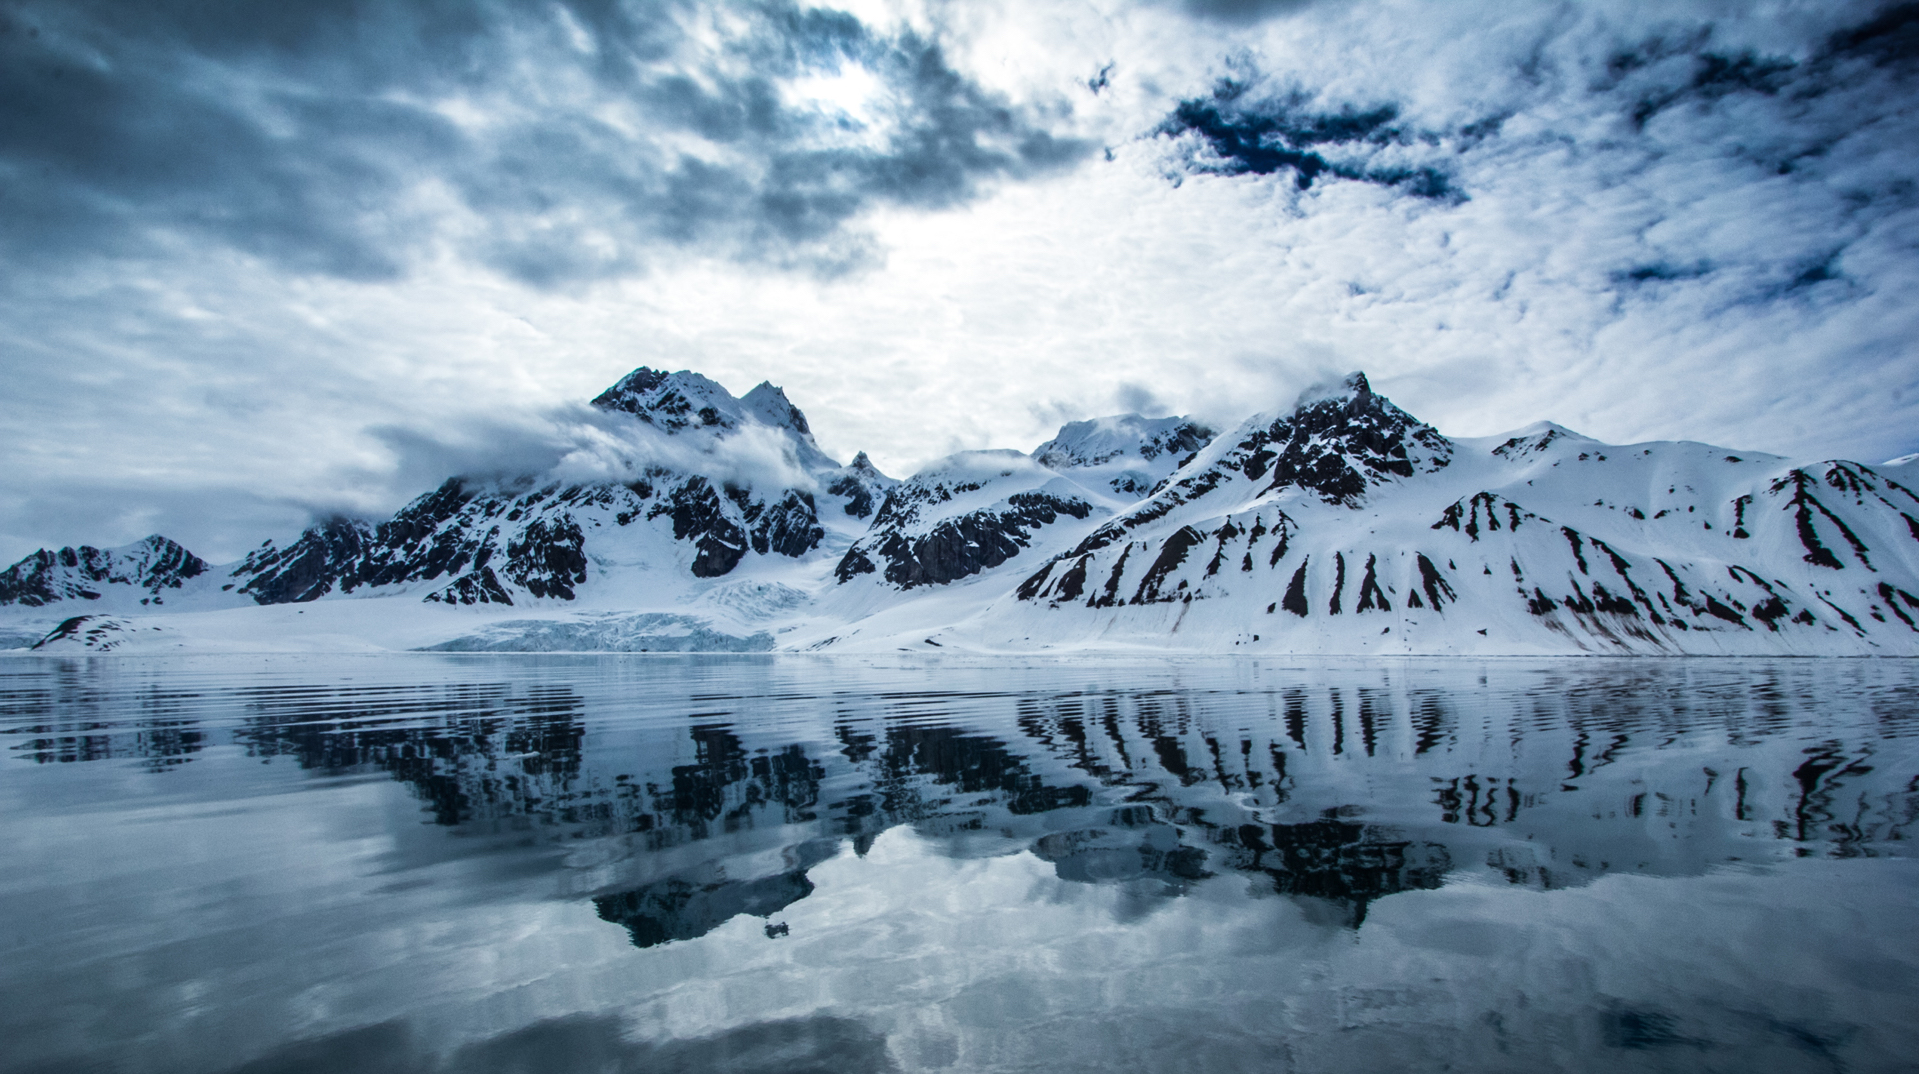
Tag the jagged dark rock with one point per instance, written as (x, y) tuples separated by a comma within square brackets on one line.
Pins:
[(481, 586), (1339, 445), (957, 547), (862, 485), (154, 565), (310, 567), (1295, 599), (1172, 553), (699, 517), (790, 527), (549, 558)]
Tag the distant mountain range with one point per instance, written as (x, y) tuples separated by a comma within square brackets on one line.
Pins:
[(1341, 525)]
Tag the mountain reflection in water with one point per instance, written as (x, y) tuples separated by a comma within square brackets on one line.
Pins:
[(670, 797)]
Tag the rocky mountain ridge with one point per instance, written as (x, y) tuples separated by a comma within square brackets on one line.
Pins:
[(153, 566), (1341, 524), (1349, 518), (505, 541)]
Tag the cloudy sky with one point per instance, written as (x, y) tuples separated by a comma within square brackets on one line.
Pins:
[(259, 261)]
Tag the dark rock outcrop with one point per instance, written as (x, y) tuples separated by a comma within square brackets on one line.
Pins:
[(957, 547), (1339, 445), (862, 485), (153, 566), (326, 556)]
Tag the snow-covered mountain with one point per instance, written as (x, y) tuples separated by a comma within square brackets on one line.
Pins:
[(689, 518), (146, 572), (1347, 521), (709, 481), (964, 514), (1128, 454), (975, 510)]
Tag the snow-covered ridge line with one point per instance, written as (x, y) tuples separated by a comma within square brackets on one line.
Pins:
[(1340, 525)]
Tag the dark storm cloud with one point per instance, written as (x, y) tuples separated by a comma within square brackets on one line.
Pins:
[(1889, 37), (1249, 135), (1813, 121), (1242, 11), (791, 196), (1695, 72), (575, 139), (220, 120)]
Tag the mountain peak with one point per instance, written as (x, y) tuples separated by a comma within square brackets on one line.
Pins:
[(1353, 386), (637, 383), (1126, 452), (863, 486), (1341, 438), (769, 403), (675, 401), (672, 401)]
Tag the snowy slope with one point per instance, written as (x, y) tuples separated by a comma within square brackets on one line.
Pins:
[(1343, 524), (1349, 526), (1125, 453)]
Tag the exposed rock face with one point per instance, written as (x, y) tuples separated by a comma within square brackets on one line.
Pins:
[(1339, 444), (862, 485), (323, 557), (965, 514), (154, 566), (723, 527), (958, 547)]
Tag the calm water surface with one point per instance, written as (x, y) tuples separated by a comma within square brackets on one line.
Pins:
[(790, 864)]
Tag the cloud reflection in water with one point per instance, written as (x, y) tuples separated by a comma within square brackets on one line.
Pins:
[(1195, 865)]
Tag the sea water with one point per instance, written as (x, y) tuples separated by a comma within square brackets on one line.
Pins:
[(784, 863)]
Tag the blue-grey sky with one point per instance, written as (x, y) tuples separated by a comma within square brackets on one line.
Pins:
[(259, 261)]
